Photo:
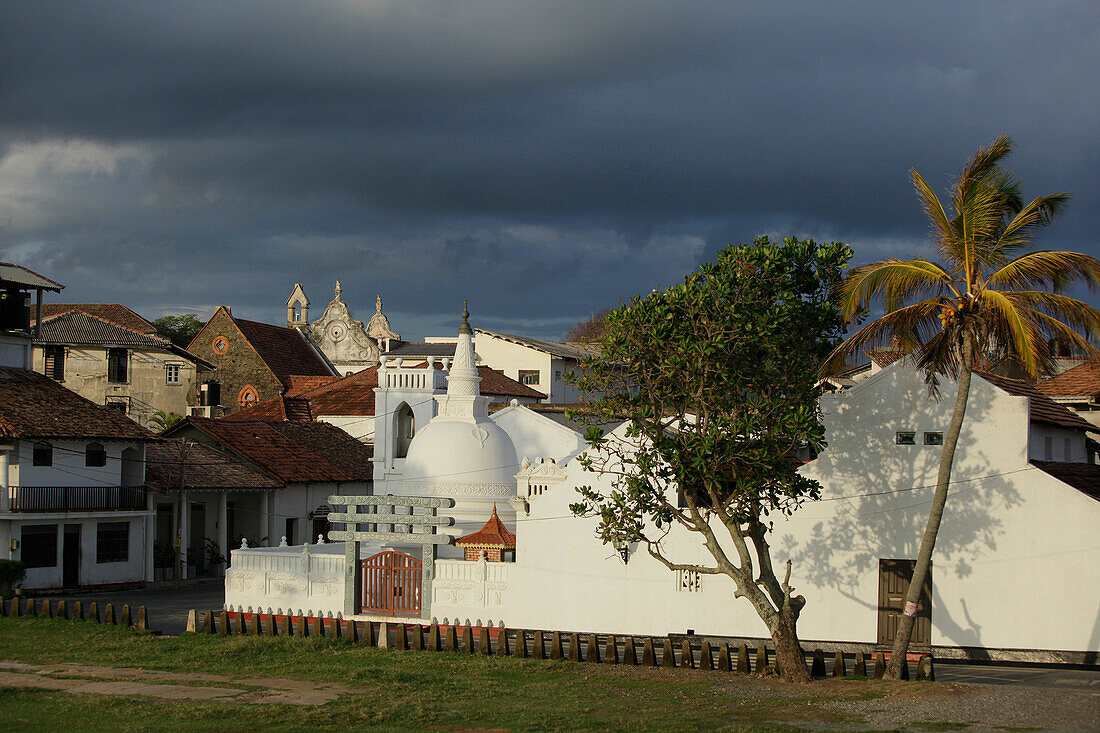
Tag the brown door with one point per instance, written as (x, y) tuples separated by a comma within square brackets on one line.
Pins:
[(893, 584), (391, 584)]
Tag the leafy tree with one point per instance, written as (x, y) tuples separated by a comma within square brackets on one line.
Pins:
[(179, 328), (716, 378), (988, 297), (589, 330), (164, 420)]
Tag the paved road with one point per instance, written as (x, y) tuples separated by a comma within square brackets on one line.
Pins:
[(166, 606)]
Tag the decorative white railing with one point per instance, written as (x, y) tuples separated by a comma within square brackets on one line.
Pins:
[(301, 580)]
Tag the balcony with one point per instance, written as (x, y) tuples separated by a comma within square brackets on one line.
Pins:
[(31, 499)]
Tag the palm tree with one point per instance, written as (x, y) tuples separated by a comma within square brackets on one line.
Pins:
[(989, 298)]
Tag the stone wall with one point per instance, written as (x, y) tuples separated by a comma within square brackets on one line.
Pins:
[(238, 366)]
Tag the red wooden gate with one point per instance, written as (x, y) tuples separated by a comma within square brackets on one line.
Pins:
[(391, 584)]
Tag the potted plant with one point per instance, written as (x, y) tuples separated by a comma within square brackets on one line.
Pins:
[(214, 556)]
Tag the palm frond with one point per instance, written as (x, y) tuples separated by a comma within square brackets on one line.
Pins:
[(1044, 268), (1073, 313), (1019, 232), (1010, 326), (893, 281), (906, 327)]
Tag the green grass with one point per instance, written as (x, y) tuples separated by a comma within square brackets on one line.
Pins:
[(397, 691)]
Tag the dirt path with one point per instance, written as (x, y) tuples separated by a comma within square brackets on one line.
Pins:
[(91, 680)]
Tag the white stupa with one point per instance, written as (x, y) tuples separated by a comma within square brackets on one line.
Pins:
[(461, 453)]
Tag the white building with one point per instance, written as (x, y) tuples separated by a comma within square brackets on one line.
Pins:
[(72, 505), (1013, 573)]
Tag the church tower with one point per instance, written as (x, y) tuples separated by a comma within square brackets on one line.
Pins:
[(297, 309)]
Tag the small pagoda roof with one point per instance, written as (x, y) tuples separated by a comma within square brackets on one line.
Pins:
[(493, 534)]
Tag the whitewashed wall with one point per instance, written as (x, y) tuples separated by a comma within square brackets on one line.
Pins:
[(470, 591), (303, 580)]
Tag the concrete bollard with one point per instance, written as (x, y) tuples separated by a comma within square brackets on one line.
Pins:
[(450, 643), (724, 661), (859, 668), (223, 623), (538, 648), (817, 667), (880, 665), (417, 638), (520, 647), (125, 619), (468, 640), (208, 622), (555, 645), (630, 654), (47, 608), (109, 614), (192, 622), (14, 610), (668, 657), (351, 634), (93, 612), (761, 660), (649, 654), (574, 648), (483, 645), (282, 625), (434, 644), (78, 611), (611, 650), (253, 625), (62, 611), (382, 641), (143, 618), (840, 667), (239, 624), (925, 670), (32, 610), (743, 666), (269, 625), (706, 657), (592, 650), (401, 639), (687, 656), (502, 642)]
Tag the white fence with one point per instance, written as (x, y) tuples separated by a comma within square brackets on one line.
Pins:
[(300, 580)]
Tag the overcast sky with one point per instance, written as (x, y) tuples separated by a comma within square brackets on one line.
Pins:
[(541, 159)]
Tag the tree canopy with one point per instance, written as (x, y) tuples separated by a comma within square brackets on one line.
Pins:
[(179, 328), (716, 380)]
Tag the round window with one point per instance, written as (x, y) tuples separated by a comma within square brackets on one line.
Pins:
[(220, 344)]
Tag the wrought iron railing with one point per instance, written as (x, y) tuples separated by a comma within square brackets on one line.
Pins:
[(77, 498)]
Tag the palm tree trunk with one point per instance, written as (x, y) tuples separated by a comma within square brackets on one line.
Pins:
[(928, 542)]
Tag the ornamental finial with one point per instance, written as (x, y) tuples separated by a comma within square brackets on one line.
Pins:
[(465, 326), (337, 289)]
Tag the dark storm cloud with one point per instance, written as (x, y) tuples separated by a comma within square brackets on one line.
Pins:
[(542, 158)]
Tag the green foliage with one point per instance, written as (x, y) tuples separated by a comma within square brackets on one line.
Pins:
[(163, 419), (12, 573), (589, 330), (716, 377), (179, 328)]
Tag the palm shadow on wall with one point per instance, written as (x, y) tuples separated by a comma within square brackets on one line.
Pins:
[(885, 506)]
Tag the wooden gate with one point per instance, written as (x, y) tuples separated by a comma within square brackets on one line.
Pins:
[(391, 584)]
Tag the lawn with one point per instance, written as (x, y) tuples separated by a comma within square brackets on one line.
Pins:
[(381, 689)]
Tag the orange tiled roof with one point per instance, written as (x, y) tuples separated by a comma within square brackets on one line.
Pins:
[(493, 534), (283, 349), (1043, 409), (1082, 380), (114, 312)]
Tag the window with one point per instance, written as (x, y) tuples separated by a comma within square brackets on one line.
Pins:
[(118, 363), (95, 455), (248, 396), (933, 438), (687, 581), (220, 344), (404, 426), (172, 373), (529, 376), (905, 437), (54, 358), (118, 405), (43, 455), (39, 545), (112, 542)]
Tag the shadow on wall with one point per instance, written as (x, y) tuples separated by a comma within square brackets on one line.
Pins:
[(877, 495)]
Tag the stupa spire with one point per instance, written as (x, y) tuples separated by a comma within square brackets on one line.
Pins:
[(462, 379)]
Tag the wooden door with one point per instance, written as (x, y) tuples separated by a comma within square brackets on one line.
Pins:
[(893, 584), (391, 584)]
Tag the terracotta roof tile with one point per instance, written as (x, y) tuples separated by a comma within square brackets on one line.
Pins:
[(494, 382), (1085, 477), (1043, 409), (885, 357), (298, 452), (113, 312), (80, 328), (493, 534), (1082, 380), (283, 349), (34, 406), (176, 464)]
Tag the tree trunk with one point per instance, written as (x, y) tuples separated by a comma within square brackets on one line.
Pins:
[(789, 657), (928, 542)]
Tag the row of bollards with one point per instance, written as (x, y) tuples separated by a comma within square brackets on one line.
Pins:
[(76, 611), (499, 641)]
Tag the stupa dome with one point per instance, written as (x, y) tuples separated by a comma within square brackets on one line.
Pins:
[(450, 452)]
